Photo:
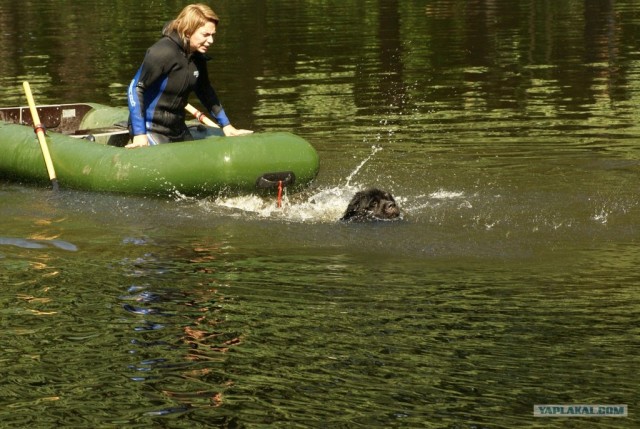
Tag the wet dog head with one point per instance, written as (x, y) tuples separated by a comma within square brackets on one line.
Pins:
[(372, 204)]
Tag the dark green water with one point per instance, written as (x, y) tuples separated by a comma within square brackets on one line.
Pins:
[(508, 131)]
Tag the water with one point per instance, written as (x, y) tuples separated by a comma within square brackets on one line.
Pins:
[(508, 134)]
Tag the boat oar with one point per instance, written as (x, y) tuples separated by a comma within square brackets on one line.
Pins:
[(39, 129), (208, 122), (200, 116)]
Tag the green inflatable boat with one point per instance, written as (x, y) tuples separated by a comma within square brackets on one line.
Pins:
[(86, 146)]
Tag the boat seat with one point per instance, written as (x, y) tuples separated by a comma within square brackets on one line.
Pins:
[(116, 135), (100, 132)]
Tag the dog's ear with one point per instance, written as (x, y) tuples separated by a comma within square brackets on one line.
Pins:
[(389, 197), (357, 203)]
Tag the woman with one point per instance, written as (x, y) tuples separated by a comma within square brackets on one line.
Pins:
[(173, 67)]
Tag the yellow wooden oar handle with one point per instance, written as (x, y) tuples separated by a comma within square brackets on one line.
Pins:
[(39, 128), (200, 116)]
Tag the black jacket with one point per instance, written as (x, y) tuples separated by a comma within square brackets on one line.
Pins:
[(160, 89)]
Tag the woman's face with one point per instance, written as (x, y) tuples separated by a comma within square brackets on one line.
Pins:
[(202, 38)]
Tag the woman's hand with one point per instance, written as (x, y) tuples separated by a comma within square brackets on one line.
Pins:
[(231, 131), (140, 140)]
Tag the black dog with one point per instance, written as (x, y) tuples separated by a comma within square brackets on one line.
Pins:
[(372, 204)]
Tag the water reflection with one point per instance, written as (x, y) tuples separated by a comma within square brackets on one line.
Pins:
[(183, 321), (38, 243)]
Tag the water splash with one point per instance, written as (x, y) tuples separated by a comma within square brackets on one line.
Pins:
[(321, 205), (324, 205), (442, 194), (602, 216), (374, 150)]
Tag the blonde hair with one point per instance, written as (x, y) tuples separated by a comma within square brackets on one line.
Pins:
[(189, 20)]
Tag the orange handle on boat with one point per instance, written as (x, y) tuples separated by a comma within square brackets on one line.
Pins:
[(39, 128), (200, 116)]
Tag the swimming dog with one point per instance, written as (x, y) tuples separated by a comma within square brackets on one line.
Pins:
[(372, 204)]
